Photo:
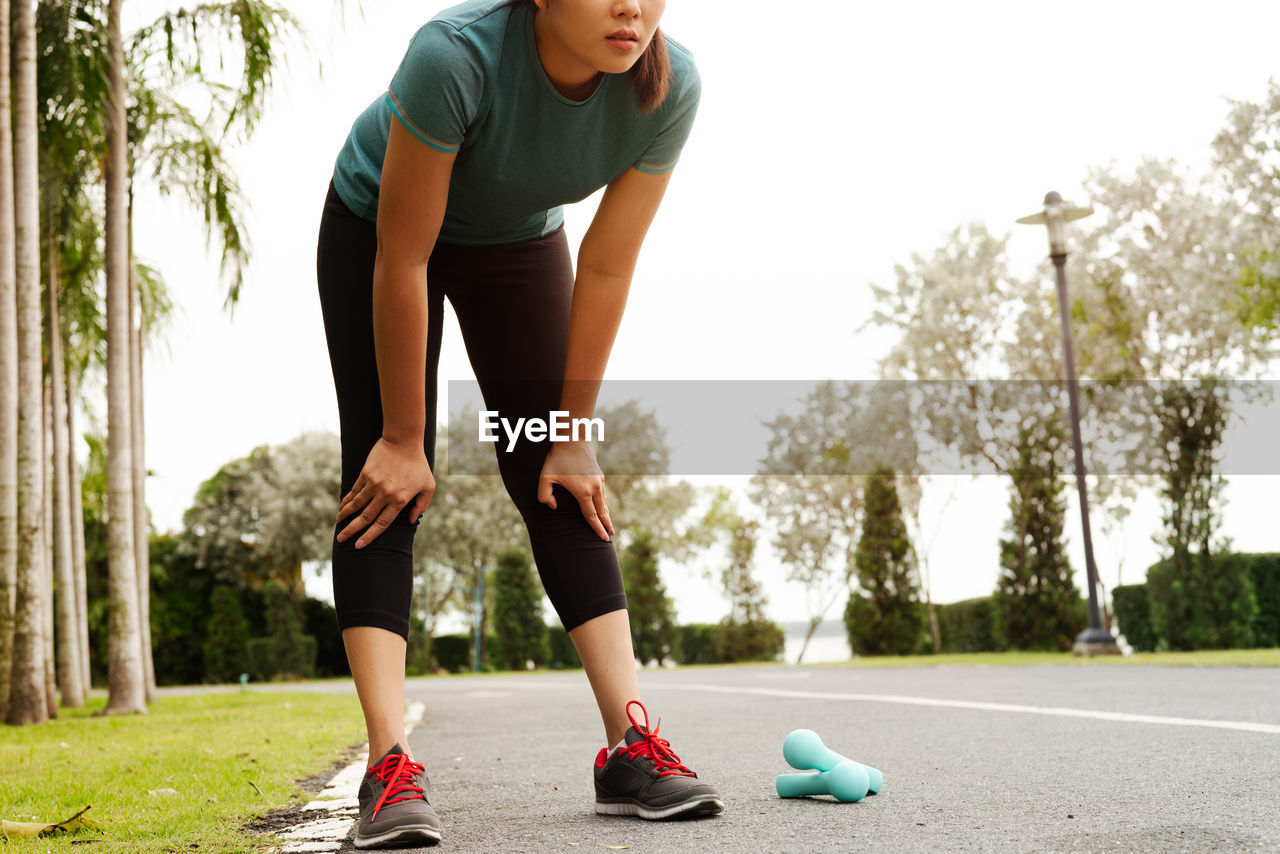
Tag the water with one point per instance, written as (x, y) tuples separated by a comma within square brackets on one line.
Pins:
[(829, 642)]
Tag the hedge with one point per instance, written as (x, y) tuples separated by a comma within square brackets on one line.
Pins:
[(967, 626), (1264, 571), (1207, 602), (564, 656), (1132, 611), (452, 652), (268, 660), (724, 643)]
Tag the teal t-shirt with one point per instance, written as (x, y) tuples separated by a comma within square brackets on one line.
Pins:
[(471, 82)]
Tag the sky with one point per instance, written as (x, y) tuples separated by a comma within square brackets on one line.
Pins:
[(831, 143)]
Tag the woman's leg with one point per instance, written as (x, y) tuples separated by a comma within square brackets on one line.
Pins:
[(512, 304), (604, 645), (377, 666), (372, 586)]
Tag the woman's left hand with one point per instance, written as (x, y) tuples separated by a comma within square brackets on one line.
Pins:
[(573, 466)]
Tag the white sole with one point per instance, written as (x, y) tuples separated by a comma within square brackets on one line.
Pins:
[(405, 835), (705, 806)]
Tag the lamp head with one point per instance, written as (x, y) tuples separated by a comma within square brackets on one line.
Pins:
[(1056, 214)]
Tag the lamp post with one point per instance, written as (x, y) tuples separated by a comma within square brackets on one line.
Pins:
[(476, 591), (1094, 640)]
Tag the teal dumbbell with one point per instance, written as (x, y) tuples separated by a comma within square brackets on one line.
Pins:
[(848, 782), (804, 749)]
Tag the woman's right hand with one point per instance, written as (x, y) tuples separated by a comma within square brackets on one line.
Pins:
[(394, 475)]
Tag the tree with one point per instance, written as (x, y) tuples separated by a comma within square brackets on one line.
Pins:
[(1167, 255), (471, 521), (813, 491), (520, 635), (983, 351), (723, 521), (1037, 604), (27, 701), (260, 517), (70, 669), (888, 619), (292, 652), (651, 611), (636, 459), (226, 647), (1245, 153), (8, 374), (126, 685)]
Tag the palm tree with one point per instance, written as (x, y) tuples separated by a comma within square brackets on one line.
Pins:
[(27, 701), (70, 671), (181, 150), (125, 679), (8, 376)]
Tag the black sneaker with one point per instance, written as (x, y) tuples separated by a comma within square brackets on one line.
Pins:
[(394, 810), (647, 779)]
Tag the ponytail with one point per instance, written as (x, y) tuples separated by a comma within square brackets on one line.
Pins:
[(651, 75)]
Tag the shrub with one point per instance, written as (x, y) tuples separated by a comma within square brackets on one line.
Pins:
[(562, 653), (320, 621), (888, 618), (1036, 602), (452, 652), (967, 626), (519, 636), (226, 651), (1264, 572), (286, 651), (650, 609), (725, 643), (1133, 613), (1200, 601)]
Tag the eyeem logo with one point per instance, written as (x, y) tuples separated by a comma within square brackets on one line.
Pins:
[(560, 428)]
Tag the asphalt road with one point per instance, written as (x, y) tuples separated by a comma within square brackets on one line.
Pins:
[(974, 759)]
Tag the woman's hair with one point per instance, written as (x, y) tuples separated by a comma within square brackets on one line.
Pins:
[(651, 75)]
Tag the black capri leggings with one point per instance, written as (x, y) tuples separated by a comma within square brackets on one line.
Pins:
[(512, 302)]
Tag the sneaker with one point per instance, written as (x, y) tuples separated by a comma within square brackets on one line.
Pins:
[(394, 810), (647, 779)]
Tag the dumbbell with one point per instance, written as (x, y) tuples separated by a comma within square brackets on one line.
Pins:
[(804, 749), (848, 782)]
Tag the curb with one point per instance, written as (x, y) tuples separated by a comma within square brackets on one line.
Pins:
[(336, 798)]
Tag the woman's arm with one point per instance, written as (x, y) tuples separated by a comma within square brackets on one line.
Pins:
[(606, 262), (411, 205)]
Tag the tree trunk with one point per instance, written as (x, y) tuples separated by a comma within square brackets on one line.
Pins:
[(125, 685), (46, 537), (77, 535), (70, 672), (814, 622), (933, 624), (8, 376), (141, 540), (27, 702)]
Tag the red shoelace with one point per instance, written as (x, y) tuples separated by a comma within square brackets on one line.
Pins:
[(397, 771), (657, 750)]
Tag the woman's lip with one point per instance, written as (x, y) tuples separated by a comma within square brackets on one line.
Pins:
[(622, 43)]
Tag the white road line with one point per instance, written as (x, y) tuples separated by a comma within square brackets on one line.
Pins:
[(1058, 711)]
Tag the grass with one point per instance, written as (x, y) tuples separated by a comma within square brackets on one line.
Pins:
[(212, 749), (1206, 658)]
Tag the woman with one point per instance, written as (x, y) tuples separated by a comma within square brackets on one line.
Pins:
[(450, 185)]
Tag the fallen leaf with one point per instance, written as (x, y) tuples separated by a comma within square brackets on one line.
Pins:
[(162, 791), (615, 847), (32, 829)]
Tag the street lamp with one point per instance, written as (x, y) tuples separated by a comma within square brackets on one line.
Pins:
[(1094, 640)]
